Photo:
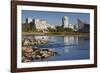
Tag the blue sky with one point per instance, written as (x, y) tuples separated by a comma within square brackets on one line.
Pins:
[(55, 18)]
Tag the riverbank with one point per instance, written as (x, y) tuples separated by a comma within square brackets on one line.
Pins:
[(54, 33)]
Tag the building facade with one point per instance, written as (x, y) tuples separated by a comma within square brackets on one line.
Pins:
[(39, 24), (71, 26), (83, 27), (65, 21)]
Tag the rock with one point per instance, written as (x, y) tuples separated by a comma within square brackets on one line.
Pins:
[(38, 42), (28, 50), (51, 53), (38, 57), (56, 53), (26, 42), (42, 57), (33, 56), (41, 52), (45, 54), (33, 53), (27, 55), (24, 48), (37, 52)]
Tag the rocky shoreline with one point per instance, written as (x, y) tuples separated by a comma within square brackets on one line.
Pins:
[(29, 42), (29, 54)]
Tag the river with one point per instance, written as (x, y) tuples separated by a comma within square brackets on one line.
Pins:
[(69, 47)]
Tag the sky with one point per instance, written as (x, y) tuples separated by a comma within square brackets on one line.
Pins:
[(55, 18)]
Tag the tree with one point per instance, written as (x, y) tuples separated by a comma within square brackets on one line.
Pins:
[(28, 27), (51, 29), (68, 29), (60, 29)]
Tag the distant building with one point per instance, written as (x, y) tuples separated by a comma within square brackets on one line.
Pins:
[(80, 24), (71, 26), (83, 27), (76, 27), (40, 24), (65, 21), (66, 24), (51, 26), (29, 20)]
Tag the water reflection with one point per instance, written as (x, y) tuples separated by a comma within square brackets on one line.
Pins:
[(71, 40)]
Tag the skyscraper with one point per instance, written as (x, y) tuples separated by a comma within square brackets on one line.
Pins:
[(65, 21), (29, 20)]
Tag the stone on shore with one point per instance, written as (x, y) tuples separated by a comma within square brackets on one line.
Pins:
[(30, 54), (28, 42)]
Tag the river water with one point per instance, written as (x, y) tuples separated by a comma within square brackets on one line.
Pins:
[(71, 47)]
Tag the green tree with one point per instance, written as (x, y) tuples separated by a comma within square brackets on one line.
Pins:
[(28, 27), (60, 29), (68, 30), (51, 29)]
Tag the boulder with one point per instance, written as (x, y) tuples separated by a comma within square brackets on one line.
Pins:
[(50, 53), (27, 52), (37, 52), (38, 57), (45, 54), (26, 42), (28, 49), (33, 56)]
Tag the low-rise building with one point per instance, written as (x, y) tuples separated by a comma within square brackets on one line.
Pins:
[(71, 26), (40, 24)]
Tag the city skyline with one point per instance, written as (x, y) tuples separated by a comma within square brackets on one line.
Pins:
[(55, 18)]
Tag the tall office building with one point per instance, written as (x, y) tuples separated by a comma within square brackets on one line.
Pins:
[(29, 20), (65, 21)]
